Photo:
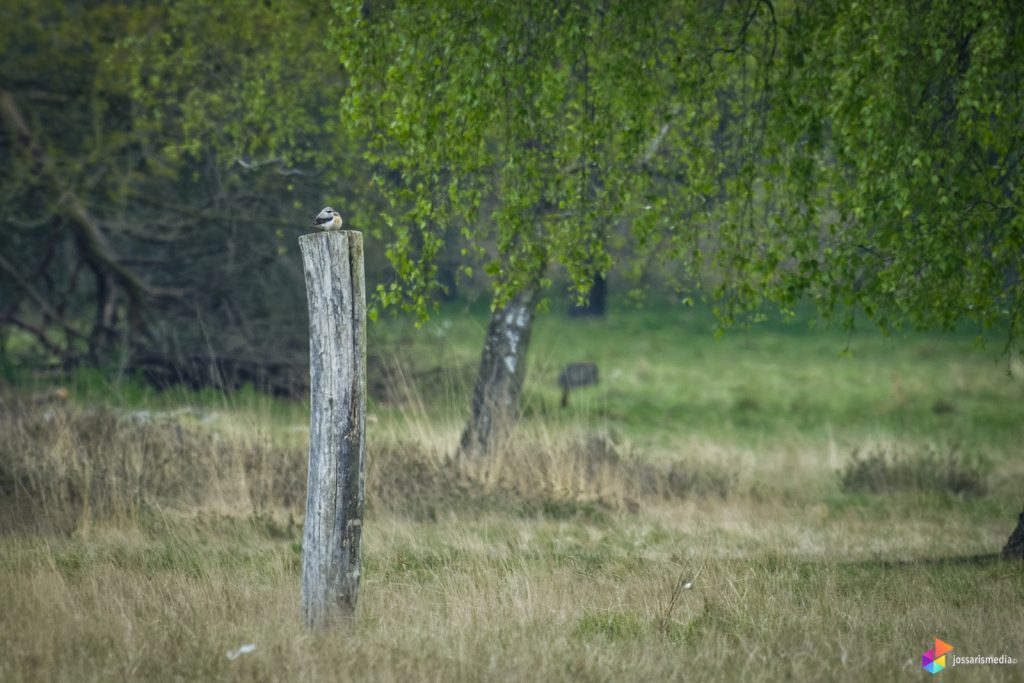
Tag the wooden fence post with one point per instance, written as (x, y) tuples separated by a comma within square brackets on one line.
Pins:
[(333, 265)]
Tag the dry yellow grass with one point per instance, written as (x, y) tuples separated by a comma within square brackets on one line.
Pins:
[(493, 598), (147, 549)]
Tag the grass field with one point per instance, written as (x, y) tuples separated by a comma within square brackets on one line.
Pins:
[(832, 514)]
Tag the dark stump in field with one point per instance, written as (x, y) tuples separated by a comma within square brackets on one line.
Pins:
[(1015, 545), (576, 375)]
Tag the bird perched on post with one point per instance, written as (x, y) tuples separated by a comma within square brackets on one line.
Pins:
[(327, 219)]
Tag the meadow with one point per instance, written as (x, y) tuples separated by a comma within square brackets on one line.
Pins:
[(780, 503)]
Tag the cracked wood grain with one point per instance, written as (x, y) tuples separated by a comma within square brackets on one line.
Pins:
[(335, 290)]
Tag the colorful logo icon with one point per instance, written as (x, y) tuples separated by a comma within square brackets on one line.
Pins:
[(933, 661)]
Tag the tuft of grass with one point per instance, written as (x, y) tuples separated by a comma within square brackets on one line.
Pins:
[(687, 479), (881, 472), (613, 625), (65, 466)]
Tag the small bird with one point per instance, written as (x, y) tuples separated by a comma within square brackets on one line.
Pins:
[(327, 219)]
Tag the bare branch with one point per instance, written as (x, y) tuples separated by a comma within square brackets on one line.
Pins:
[(39, 334), (93, 241), (44, 306)]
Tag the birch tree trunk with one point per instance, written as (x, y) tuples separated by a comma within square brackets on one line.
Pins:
[(333, 265), (499, 381)]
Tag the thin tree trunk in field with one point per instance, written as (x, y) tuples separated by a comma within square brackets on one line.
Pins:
[(1015, 544), (499, 381)]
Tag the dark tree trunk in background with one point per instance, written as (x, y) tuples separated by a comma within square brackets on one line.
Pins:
[(502, 370), (596, 301), (1015, 545), (102, 338)]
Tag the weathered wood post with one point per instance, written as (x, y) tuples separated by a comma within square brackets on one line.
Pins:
[(333, 264)]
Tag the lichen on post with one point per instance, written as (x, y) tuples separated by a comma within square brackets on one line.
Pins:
[(335, 289)]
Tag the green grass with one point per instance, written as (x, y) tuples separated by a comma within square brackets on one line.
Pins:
[(141, 541), (665, 377)]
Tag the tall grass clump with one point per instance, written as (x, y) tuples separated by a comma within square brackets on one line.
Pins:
[(64, 465), (883, 471), (563, 475), (61, 464)]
